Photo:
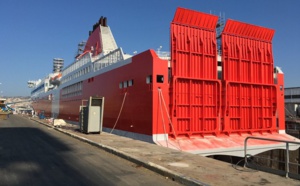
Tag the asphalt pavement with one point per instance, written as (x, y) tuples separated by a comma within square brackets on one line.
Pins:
[(32, 154), (182, 167)]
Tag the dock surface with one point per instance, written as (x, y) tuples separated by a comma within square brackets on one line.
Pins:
[(34, 155), (189, 169)]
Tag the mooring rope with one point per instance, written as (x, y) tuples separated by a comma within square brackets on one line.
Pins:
[(160, 93), (163, 120), (119, 112)]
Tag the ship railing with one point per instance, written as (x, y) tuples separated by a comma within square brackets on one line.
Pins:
[(109, 59), (95, 58), (250, 160), (163, 55), (77, 64)]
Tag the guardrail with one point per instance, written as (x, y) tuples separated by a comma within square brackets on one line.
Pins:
[(287, 158)]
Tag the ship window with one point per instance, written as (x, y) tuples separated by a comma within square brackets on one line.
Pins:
[(125, 84), (149, 79), (159, 78), (120, 85), (130, 82)]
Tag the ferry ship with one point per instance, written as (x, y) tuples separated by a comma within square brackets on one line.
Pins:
[(206, 96)]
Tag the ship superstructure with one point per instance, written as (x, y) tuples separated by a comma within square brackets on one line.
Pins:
[(198, 99)]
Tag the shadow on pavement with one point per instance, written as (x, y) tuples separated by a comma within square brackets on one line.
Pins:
[(29, 156)]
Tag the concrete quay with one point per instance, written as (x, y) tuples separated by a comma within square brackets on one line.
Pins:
[(186, 168)]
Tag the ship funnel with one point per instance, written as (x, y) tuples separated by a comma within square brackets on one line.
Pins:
[(102, 21), (58, 65), (105, 22)]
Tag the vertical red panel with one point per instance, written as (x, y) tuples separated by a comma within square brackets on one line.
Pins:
[(195, 89), (193, 44), (247, 53), (196, 107), (249, 108), (249, 95)]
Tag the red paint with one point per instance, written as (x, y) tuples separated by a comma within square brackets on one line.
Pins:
[(43, 104), (249, 108), (93, 42), (249, 99), (195, 89), (140, 113), (231, 145), (247, 53)]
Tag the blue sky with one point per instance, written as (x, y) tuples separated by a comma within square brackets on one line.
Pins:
[(33, 32)]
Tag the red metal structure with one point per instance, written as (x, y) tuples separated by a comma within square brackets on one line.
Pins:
[(195, 88), (248, 93), (211, 115), (247, 53), (249, 102)]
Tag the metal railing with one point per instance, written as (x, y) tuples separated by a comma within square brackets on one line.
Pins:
[(111, 58), (287, 158)]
